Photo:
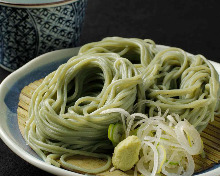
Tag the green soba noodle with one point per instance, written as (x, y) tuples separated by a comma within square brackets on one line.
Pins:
[(186, 85), (64, 115)]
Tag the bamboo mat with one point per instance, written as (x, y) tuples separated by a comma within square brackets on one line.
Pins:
[(210, 137)]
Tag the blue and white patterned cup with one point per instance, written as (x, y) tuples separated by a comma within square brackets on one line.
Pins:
[(29, 28)]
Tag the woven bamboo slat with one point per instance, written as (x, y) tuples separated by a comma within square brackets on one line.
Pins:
[(210, 137)]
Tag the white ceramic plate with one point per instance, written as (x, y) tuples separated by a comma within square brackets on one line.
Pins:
[(9, 97)]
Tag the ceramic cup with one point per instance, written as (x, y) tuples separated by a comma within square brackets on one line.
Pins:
[(34, 27)]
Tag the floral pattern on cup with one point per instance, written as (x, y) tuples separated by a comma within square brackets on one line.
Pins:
[(26, 33)]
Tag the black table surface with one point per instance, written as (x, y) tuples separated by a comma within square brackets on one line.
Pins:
[(190, 25)]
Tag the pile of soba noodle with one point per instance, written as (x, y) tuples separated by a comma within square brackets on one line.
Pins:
[(65, 116)]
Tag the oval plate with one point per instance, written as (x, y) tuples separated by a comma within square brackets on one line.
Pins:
[(10, 90)]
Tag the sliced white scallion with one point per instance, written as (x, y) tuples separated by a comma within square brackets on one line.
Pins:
[(167, 143)]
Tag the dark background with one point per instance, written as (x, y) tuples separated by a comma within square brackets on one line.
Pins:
[(190, 25)]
